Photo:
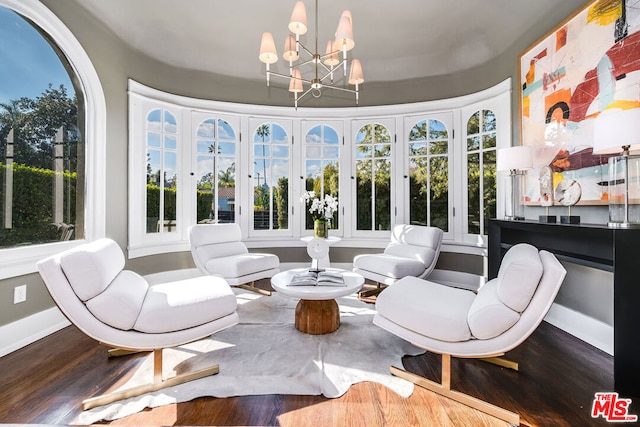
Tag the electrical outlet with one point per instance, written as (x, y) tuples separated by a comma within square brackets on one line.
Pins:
[(19, 294)]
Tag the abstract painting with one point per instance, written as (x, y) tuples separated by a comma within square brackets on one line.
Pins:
[(589, 63)]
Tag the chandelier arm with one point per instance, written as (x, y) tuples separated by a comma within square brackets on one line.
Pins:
[(305, 93), (305, 49), (339, 88), (308, 61), (329, 70), (286, 76)]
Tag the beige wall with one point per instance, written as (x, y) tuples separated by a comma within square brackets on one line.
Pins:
[(115, 64)]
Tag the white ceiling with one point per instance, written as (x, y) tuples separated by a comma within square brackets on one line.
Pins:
[(395, 40)]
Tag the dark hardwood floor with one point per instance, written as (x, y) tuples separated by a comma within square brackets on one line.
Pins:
[(45, 382)]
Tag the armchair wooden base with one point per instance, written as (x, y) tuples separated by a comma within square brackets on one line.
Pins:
[(251, 287), (444, 389), (158, 383)]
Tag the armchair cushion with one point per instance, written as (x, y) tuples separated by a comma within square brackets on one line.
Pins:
[(120, 303), (389, 265), (242, 264), (91, 267), (200, 300), (488, 317), (518, 276), (419, 253), (427, 308), (221, 250)]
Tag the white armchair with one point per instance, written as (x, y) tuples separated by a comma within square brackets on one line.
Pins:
[(413, 251), (459, 323), (217, 249), (122, 310)]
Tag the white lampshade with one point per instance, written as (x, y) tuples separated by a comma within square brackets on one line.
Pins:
[(615, 128), (298, 22), (355, 73), (268, 53), (332, 59), (514, 158), (290, 53), (344, 33), (295, 83)]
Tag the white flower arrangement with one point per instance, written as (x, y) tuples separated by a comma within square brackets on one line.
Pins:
[(321, 208)]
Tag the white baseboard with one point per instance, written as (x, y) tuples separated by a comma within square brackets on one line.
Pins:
[(23, 332), (586, 328)]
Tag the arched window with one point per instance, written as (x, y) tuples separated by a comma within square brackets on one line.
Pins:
[(429, 173), (61, 156), (481, 170), (216, 143), (270, 177), (373, 177), (322, 166)]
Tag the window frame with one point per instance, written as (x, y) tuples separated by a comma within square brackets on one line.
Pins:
[(500, 105), (298, 121), (22, 260), (448, 120)]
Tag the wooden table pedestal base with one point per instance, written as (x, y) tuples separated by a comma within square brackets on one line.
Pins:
[(317, 317)]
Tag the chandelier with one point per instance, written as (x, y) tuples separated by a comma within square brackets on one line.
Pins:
[(324, 66)]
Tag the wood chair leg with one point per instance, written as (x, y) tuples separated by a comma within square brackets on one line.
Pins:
[(500, 361), (444, 389), (251, 287), (158, 383)]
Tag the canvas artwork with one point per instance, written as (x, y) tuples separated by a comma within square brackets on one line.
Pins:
[(588, 64)]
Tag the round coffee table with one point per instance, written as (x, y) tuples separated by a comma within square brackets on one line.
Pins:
[(317, 311)]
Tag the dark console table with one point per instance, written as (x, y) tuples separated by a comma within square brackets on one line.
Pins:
[(596, 246)]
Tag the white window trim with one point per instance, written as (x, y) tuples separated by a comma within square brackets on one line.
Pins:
[(19, 261), (394, 114)]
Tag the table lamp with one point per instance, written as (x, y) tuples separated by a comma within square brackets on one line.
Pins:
[(516, 160), (618, 131)]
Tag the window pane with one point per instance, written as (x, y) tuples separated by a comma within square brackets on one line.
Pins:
[(437, 130), (473, 125), (473, 143), (162, 161), (382, 195), (207, 129), (473, 193), (428, 174), (481, 170), (216, 166), (321, 167), (488, 121), (489, 140), (225, 131), (419, 132), (418, 191), (489, 187), (42, 172), (364, 195), (373, 178), (153, 189), (153, 139), (271, 177), (439, 194)]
